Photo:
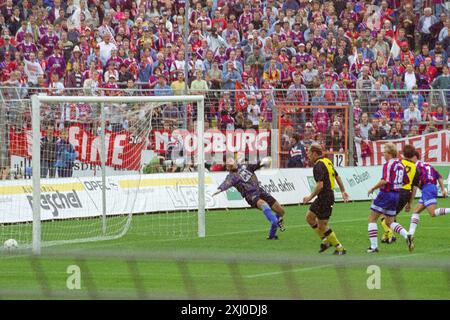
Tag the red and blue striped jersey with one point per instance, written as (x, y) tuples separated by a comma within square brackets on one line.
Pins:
[(427, 174), (395, 175)]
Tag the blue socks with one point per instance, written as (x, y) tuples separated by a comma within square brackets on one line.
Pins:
[(272, 219)]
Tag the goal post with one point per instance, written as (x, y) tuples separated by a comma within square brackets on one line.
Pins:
[(37, 101)]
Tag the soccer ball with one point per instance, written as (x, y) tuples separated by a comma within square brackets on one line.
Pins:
[(10, 245)]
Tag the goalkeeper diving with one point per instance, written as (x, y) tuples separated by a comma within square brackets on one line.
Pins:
[(243, 178)]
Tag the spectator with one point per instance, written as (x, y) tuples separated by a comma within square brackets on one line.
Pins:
[(396, 114), (309, 74), (364, 84), (426, 113), (253, 112), (439, 52), (48, 153), (178, 86), (442, 82), (335, 139), (297, 92), (91, 85), (75, 77), (379, 94), (7, 47), (214, 76), (215, 40), (414, 131), (393, 134), (425, 23), (226, 121), (444, 33), (65, 155), (376, 132), (381, 48), (32, 69), (297, 152), (321, 120), (385, 124), (56, 87), (399, 126), (230, 77), (162, 88), (410, 78), (124, 74), (239, 121), (111, 71), (365, 126), (430, 128), (199, 86), (416, 97), (308, 135), (5, 173), (106, 48), (170, 115), (357, 111), (439, 115), (272, 75), (412, 116)]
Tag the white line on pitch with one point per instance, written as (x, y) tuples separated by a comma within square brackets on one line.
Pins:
[(266, 274), (252, 231), (257, 275)]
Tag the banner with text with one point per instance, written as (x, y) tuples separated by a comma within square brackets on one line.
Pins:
[(433, 147), (82, 197)]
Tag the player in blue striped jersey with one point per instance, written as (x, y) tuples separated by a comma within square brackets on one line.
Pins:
[(393, 178), (429, 178)]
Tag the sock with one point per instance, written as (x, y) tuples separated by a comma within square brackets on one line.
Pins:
[(384, 225), (441, 212), (273, 230), (415, 218), (387, 230), (397, 227), (272, 219), (373, 235), (330, 236)]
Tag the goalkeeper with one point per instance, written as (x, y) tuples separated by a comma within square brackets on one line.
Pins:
[(243, 178)]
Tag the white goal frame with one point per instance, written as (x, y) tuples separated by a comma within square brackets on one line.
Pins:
[(37, 100)]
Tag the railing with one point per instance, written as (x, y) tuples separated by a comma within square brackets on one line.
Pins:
[(251, 109)]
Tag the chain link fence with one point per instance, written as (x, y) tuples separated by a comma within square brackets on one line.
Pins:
[(294, 118)]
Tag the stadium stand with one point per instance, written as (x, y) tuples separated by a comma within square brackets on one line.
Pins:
[(388, 60)]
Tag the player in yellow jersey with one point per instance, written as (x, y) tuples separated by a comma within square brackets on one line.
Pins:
[(320, 211), (407, 193)]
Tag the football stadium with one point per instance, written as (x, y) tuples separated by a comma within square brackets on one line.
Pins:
[(225, 150)]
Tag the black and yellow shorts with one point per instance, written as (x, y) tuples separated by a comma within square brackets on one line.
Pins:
[(323, 205), (404, 197)]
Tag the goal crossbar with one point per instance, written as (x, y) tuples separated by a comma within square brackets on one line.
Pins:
[(37, 100)]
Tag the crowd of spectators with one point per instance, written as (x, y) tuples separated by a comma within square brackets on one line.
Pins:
[(311, 52)]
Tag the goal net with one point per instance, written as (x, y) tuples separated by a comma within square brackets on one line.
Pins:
[(94, 162)]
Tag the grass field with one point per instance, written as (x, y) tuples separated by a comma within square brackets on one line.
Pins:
[(243, 233)]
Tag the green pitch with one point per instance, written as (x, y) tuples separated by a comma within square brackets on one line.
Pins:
[(244, 232)]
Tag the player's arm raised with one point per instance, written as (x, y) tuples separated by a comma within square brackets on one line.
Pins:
[(379, 184), (227, 184), (317, 189), (345, 195)]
